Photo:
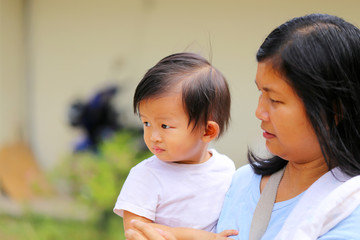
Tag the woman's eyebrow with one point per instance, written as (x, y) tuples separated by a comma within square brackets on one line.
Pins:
[(266, 89)]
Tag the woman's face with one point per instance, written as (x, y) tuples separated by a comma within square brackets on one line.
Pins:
[(287, 129)]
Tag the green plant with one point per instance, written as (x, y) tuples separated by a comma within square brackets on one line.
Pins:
[(95, 180), (36, 227)]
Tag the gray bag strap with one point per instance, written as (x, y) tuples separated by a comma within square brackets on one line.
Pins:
[(264, 207)]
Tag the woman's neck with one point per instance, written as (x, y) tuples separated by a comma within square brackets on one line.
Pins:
[(299, 177)]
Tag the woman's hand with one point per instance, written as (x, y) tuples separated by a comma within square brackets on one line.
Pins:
[(145, 231)]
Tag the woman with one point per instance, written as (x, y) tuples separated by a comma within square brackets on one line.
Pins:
[(309, 81)]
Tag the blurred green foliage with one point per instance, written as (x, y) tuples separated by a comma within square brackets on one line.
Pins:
[(94, 181), (33, 227)]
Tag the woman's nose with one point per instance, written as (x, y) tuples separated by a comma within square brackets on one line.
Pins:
[(261, 111)]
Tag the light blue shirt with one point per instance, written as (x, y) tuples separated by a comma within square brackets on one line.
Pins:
[(241, 200)]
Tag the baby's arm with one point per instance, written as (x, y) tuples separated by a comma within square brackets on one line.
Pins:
[(141, 231), (179, 233), (128, 216)]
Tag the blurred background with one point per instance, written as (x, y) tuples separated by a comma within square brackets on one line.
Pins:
[(68, 70)]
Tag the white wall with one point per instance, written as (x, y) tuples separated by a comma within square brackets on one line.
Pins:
[(75, 46), (12, 83)]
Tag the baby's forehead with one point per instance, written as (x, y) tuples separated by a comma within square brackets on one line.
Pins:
[(164, 101), (168, 106), (171, 93)]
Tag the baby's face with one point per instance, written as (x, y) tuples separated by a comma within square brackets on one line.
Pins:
[(167, 132)]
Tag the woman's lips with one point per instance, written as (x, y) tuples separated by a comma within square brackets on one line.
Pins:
[(268, 135)]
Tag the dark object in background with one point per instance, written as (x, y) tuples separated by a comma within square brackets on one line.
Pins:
[(97, 117)]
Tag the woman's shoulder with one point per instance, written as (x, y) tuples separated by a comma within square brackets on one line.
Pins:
[(245, 171), (243, 176), (346, 229), (329, 206)]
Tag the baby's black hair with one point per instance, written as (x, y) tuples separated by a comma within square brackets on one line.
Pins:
[(205, 92)]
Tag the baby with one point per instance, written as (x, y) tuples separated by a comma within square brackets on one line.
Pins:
[(184, 104)]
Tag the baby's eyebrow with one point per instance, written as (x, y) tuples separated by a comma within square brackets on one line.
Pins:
[(142, 115)]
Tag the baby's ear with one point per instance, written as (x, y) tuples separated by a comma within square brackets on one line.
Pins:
[(211, 131)]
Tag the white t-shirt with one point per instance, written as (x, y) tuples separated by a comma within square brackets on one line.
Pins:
[(177, 195)]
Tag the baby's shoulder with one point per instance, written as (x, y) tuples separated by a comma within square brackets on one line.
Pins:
[(146, 164), (223, 159)]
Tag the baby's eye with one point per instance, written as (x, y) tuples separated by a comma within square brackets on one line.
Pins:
[(146, 124), (164, 126)]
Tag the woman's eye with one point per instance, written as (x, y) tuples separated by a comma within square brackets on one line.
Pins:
[(164, 126), (274, 101), (146, 124)]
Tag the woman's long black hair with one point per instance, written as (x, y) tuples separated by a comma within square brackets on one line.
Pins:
[(319, 55)]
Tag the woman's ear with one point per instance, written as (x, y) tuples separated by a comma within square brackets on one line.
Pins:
[(211, 131)]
